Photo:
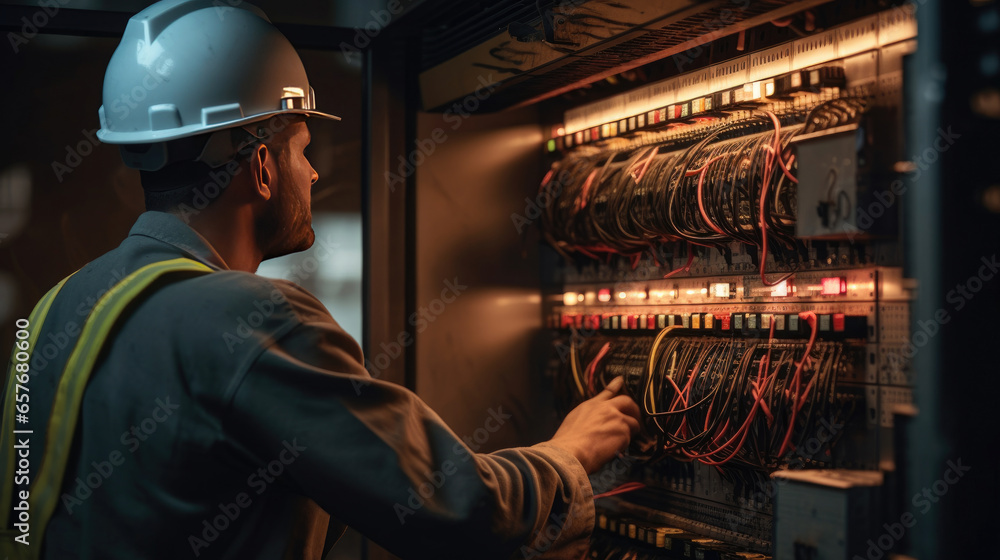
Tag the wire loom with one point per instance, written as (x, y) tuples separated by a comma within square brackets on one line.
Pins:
[(735, 183), (716, 400)]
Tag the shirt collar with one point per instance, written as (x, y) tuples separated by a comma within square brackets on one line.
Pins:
[(170, 229)]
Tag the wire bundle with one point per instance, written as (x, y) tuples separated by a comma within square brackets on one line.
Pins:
[(716, 400), (735, 183)]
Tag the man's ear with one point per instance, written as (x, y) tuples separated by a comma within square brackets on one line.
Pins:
[(263, 180)]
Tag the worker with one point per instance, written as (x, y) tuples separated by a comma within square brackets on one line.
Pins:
[(197, 410)]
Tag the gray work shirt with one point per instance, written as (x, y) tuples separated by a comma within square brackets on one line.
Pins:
[(230, 414)]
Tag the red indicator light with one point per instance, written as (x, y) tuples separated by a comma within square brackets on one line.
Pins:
[(834, 286), (604, 295)]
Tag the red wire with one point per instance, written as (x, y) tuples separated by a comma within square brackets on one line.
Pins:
[(593, 366), (645, 166), (546, 179), (810, 317), (701, 204), (784, 166), (684, 268), (627, 487), (768, 168), (758, 401), (582, 202)]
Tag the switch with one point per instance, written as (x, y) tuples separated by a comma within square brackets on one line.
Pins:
[(838, 322), (724, 321)]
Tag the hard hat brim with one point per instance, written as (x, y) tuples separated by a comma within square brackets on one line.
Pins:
[(153, 136)]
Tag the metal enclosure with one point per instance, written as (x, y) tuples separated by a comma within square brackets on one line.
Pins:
[(478, 352)]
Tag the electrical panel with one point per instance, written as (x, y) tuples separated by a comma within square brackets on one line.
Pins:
[(728, 240)]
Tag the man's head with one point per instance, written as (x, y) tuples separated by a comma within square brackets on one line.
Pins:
[(269, 177), (193, 83)]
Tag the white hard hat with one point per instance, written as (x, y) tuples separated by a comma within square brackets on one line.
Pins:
[(189, 67)]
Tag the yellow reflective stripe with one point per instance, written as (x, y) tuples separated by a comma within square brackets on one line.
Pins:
[(69, 394), (7, 456)]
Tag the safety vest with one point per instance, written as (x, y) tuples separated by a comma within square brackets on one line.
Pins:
[(43, 493)]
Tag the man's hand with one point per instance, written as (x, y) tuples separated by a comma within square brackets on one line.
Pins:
[(600, 427)]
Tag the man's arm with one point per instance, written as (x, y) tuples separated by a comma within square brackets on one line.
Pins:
[(375, 456)]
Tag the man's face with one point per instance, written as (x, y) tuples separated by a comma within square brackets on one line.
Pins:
[(286, 224)]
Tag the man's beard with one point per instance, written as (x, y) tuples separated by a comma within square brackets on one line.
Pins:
[(285, 227)]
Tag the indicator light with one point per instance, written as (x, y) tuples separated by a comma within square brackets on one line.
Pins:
[(780, 289), (834, 286), (622, 295), (719, 289), (580, 297), (570, 298), (604, 295)]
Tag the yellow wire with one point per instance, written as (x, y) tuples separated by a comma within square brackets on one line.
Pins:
[(573, 366), (650, 401)]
